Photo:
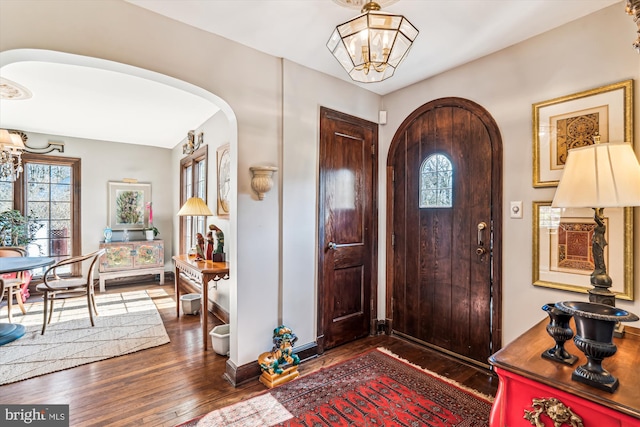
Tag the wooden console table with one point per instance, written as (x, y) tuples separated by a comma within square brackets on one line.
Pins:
[(525, 375), (201, 272)]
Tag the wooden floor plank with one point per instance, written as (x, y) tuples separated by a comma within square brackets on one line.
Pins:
[(173, 383)]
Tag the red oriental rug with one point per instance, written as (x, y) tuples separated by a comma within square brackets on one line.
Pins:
[(374, 389)]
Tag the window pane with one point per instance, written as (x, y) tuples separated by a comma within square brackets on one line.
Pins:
[(61, 174), (38, 191), (49, 198), (436, 182), (38, 172), (60, 210), (40, 209), (6, 195), (61, 192), (193, 182)]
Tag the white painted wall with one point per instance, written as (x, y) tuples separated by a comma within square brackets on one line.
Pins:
[(585, 54), (305, 91)]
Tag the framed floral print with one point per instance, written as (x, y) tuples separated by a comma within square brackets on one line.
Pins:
[(571, 121), (562, 248), (127, 205)]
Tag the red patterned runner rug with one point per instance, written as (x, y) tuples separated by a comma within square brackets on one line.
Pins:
[(374, 389)]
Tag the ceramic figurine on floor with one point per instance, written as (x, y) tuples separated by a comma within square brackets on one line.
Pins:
[(281, 364)]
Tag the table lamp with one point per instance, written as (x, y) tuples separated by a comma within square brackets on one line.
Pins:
[(600, 176), (195, 206)]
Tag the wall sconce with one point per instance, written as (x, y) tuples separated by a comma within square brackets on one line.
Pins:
[(192, 145), (261, 181)]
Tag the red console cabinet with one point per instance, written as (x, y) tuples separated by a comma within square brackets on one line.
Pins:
[(529, 383)]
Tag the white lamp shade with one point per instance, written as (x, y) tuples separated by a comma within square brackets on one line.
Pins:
[(599, 176), (195, 206)]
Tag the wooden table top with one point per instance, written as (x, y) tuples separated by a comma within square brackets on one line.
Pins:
[(204, 266), (523, 357)]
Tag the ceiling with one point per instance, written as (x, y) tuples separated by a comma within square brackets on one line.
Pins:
[(131, 109)]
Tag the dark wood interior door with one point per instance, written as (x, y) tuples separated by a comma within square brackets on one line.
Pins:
[(347, 228), (443, 262)]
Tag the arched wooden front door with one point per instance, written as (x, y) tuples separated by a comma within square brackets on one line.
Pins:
[(444, 229)]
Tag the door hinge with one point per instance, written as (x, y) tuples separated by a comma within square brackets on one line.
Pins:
[(393, 175), (393, 239), (373, 149)]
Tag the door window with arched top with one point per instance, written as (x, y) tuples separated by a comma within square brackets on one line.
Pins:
[(436, 182)]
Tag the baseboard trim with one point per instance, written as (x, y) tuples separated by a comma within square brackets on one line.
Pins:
[(238, 375)]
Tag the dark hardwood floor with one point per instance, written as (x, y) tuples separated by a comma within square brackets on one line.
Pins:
[(173, 383)]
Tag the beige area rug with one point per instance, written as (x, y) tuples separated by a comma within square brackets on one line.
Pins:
[(127, 322)]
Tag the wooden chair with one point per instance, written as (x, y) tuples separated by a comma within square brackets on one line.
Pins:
[(13, 281), (55, 287)]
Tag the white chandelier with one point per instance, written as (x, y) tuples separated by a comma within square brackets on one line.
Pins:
[(371, 46), (11, 147)]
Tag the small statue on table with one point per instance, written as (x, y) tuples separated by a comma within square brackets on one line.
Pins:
[(200, 246), (209, 246), (218, 249)]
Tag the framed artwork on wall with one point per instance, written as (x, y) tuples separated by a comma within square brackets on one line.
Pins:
[(571, 121), (223, 161), (127, 205), (562, 255)]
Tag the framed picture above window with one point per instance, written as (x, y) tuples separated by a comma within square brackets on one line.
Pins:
[(571, 121), (562, 255), (127, 205)]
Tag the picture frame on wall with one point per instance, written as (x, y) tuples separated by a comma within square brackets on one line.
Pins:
[(223, 162), (571, 121), (127, 205), (562, 255)]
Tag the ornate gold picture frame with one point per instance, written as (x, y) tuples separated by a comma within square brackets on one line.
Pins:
[(562, 256), (571, 121)]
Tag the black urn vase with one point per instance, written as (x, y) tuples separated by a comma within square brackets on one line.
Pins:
[(594, 337), (561, 332)]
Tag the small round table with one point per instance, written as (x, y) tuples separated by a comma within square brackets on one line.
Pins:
[(9, 331)]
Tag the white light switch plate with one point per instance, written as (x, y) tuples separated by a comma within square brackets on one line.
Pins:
[(516, 209)]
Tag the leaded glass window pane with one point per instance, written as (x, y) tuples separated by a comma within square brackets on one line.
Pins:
[(436, 182)]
